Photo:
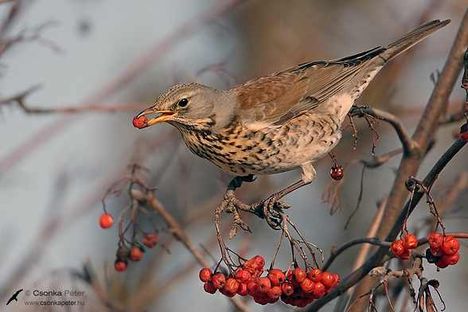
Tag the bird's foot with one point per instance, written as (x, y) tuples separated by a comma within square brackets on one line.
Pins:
[(234, 205), (271, 210)]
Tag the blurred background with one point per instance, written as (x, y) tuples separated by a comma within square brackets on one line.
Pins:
[(55, 168)]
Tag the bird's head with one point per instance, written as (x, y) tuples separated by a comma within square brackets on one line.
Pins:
[(186, 105)]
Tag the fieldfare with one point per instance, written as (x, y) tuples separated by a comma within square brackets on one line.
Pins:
[(275, 123)]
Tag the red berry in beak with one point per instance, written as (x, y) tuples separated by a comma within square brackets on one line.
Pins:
[(140, 122)]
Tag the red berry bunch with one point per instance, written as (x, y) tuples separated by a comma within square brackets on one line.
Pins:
[(443, 250), (124, 253), (401, 248), (337, 172), (135, 252), (295, 287)]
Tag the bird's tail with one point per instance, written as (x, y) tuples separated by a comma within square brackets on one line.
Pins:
[(412, 38)]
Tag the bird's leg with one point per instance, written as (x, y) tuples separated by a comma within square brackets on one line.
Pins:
[(237, 181), (272, 207)]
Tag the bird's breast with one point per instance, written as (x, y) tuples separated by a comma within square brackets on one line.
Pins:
[(240, 150)]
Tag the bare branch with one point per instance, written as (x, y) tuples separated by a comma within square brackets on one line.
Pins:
[(409, 146)]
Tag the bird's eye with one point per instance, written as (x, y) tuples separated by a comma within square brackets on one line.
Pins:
[(183, 102)]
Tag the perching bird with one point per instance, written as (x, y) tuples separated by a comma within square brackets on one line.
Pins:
[(279, 122), (15, 296)]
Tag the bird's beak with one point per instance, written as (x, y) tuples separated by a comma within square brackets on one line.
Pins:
[(150, 117)]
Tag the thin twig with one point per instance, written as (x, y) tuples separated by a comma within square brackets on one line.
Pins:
[(408, 144)]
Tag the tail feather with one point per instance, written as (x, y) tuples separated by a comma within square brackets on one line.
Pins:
[(412, 38)]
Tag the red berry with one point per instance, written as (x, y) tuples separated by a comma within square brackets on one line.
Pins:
[(337, 172), (242, 290), (205, 274), (287, 288), (150, 240), (106, 220), (140, 122), (252, 288), (450, 246), (337, 279), (442, 262), (276, 277), (398, 248), (405, 255), (209, 287), (319, 290), (260, 261), (299, 274), (264, 284), (307, 286), (301, 303), (410, 241), (328, 279), (274, 292), (231, 285), (452, 259), (255, 265), (218, 280), (262, 299), (136, 253), (243, 276), (314, 275), (464, 135), (120, 265), (435, 242)]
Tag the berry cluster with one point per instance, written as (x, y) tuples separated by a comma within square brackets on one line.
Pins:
[(401, 248), (135, 252), (295, 287), (443, 250)]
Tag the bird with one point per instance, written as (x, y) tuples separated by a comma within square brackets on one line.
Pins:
[(15, 296), (278, 122)]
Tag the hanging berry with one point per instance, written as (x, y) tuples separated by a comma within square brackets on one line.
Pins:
[(106, 220), (120, 265), (136, 253), (336, 172)]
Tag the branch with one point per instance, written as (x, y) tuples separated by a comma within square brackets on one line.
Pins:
[(410, 164), (19, 100), (409, 146), (372, 241), (376, 259)]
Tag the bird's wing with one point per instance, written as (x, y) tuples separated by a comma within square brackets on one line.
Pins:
[(275, 99)]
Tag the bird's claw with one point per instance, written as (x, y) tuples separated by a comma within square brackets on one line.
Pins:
[(270, 209), (273, 211)]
